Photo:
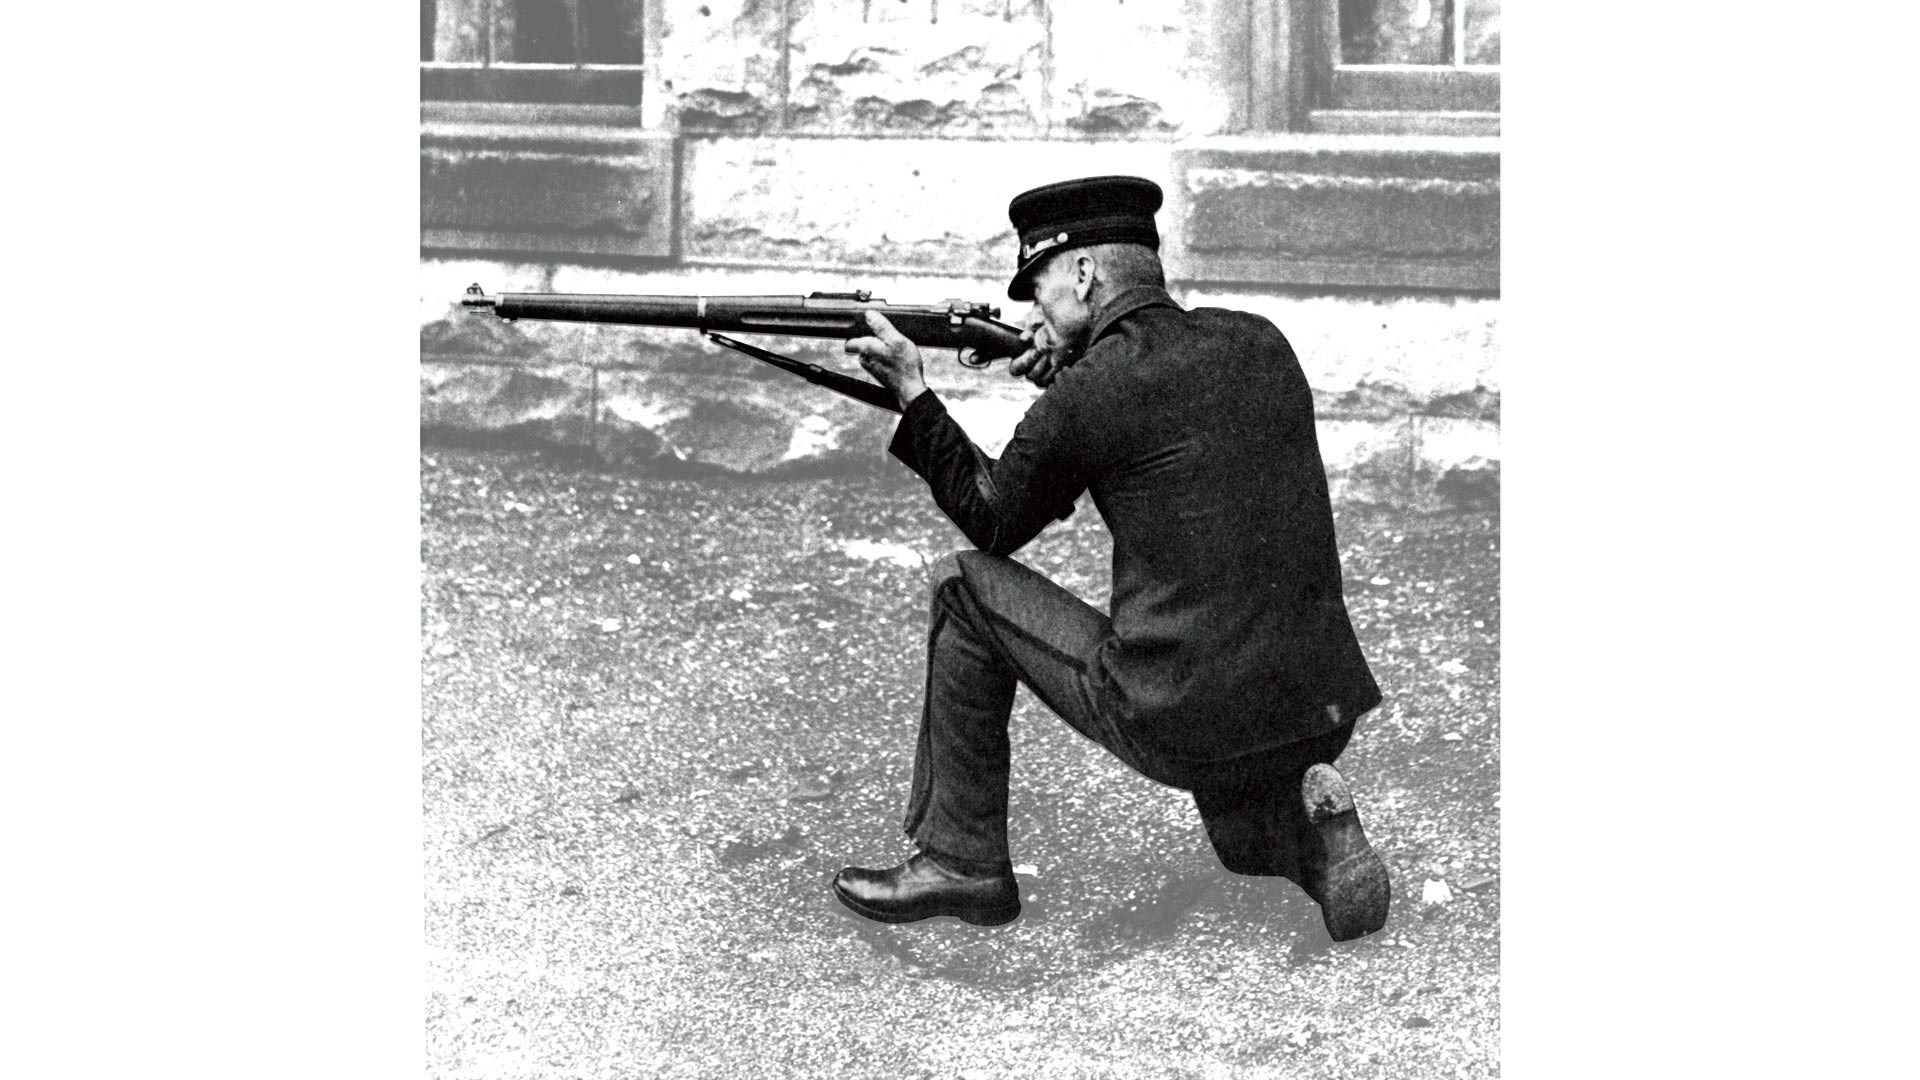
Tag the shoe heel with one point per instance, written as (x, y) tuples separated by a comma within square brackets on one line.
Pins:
[(991, 917), (1355, 892)]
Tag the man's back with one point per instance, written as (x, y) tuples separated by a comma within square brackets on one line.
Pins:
[(1196, 433)]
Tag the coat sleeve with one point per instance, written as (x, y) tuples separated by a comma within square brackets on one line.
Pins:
[(999, 504)]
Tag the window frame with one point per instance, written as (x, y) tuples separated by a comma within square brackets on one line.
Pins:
[(1300, 83), (532, 160), (521, 91)]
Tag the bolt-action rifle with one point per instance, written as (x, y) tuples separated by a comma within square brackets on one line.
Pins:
[(973, 330)]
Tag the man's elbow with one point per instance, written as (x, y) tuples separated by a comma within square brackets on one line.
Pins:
[(989, 542), (1001, 542)]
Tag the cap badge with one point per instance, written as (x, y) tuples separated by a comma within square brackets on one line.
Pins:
[(1028, 251)]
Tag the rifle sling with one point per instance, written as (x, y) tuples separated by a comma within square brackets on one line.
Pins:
[(858, 389)]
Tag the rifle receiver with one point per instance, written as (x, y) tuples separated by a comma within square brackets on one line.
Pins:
[(961, 309)]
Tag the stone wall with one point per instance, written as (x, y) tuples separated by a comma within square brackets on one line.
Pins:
[(1007, 68), (797, 145), (1406, 385), (870, 204)]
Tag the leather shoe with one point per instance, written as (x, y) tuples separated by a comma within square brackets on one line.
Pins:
[(1339, 868), (921, 888)]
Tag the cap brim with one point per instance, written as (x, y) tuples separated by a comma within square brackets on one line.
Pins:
[(1021, 287)]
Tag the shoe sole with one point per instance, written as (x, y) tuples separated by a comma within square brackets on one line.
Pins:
[(986, 917), (1356, 893)]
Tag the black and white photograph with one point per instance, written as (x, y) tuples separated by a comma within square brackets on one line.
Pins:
[(960, 539)]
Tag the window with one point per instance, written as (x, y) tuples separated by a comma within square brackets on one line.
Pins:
[(546, 52), (537, 133), (1408, 66)]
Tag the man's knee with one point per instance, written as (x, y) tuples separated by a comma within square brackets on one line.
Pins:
[(978, 580), (993, 578), (976, 569), (948, 581), (944, 569)]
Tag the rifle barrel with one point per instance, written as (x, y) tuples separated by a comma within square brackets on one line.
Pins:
[(953, 324)]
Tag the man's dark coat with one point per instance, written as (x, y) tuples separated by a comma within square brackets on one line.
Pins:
[(1194, 433)]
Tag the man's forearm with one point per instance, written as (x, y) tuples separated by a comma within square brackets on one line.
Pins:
[(996, 517)]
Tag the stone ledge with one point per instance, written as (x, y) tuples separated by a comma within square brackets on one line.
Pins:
[(547, 189), (1332, 211), (1313, 211)]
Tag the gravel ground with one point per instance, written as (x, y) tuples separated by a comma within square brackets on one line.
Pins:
[(659, 714)]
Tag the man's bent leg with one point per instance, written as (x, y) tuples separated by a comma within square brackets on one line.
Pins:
[(1047, 636), (958, 806), (995, 623), (957, 812), (1302, 824), (1292, 810), (1253, 820)]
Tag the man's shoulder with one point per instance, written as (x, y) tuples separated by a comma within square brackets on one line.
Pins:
[(1221, 319), (1153, 328)]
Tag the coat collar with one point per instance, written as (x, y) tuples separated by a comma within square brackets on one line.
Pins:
[(1127, 303)]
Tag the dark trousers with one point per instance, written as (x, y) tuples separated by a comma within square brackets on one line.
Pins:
[(996, 623)]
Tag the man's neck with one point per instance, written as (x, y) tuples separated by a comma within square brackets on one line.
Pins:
[(1120, 303)]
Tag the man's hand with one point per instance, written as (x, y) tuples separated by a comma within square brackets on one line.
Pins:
[(891, 359), (1041, 363)]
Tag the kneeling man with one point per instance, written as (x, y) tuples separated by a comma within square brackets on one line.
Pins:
[(1227, 666)]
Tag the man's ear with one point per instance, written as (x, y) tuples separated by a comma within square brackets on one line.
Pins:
[(1085, 273)]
